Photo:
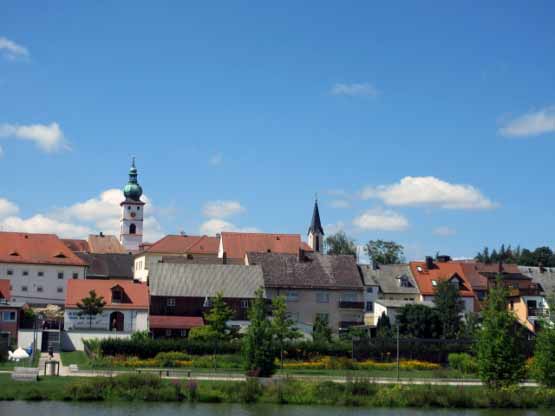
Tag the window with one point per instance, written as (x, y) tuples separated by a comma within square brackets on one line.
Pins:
[(40, 274), (129, 208), (60, 289), (349, 297), (323, 316), (294, 316), (24, 288), (132, 229), (25, 273), (434, 283), (170, 302), (322, 297), (369, 290), (138, 208), (8, 316), (39, 289), (10, 272), (168, 332), (117, 295), (75, 275), (292, 296), (183, 332), (369, 306), (60, 275), (244, 303)]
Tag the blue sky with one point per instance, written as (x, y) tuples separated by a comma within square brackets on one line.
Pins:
[(430, 124)]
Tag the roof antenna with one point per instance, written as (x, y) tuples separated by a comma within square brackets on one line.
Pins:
[(133, 161)]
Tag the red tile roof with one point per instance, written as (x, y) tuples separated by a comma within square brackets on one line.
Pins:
[(440, 271), (236, 245), (175, 322), (27, 248), (191, 244), (76, 245), (135, 294), (104, 244), (5, 292)]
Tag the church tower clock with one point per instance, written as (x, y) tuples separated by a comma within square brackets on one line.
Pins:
[(131, 221)]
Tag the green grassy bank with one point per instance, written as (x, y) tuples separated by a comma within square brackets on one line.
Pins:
[(356, 393)]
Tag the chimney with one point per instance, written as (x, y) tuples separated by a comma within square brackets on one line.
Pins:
[(224, 258), (101, 234), (429, 262), (375, 265), (500, 267), (301, 254), (183, 233)]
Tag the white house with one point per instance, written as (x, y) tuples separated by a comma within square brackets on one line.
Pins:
[(38, 267), (392, 307), (125, 312)]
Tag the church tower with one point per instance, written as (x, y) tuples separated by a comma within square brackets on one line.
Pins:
[(315, 231), (131, 221)]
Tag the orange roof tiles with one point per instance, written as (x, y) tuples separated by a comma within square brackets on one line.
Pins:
[(27, 248), (76, 245), (236, 245), (105, 244), (135, 294), (5, 292), (440, 271), (186, 244), (175, 322)]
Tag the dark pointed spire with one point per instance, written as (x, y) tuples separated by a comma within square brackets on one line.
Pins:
[(316, 224)]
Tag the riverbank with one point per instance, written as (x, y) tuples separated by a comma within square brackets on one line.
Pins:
[(151, 388)]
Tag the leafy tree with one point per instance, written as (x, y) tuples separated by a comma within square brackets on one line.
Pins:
[(202, 333), (419, 321), (340, 243), (544, 350), (449, 308), (385, 252), (541, 256), (470, 326), (282, 325), (383, 326), (321, 331), (216, 319), (500, 344), (91, 306), (258, 347)]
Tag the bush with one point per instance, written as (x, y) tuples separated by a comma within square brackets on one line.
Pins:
[(171, 359), (543, 367), (463, 362)]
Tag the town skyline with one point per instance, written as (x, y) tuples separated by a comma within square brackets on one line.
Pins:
[(438, 143)]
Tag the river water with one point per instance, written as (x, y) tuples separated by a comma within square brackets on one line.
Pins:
[(163, 409)]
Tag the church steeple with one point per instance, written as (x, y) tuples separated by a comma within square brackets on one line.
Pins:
[(316, 231), (131, 221)]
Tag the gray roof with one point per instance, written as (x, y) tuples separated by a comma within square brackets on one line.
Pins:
[(201, 280), (388, 277), (544, 276), (390, 303), (313, 271), (108, 265)]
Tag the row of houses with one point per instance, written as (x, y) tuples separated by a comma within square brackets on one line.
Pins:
[(167, 287)]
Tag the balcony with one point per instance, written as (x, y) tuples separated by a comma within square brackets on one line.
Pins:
[(348, 324), (345, 304), (538, 312)]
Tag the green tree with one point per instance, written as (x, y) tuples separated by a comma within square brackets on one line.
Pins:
[(383, 326), (216, 319), (418, 321), (91, 306), (258, 346), (449, 308), (340, 243), (544, 350), (385, 252), (470, 326), (282, 325), (321, 331), (499, 349)]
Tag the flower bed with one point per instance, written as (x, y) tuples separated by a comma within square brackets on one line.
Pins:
[(341, 363)]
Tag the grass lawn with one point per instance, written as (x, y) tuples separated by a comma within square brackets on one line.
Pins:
[(76, 357), (46, 387), (9, 365)]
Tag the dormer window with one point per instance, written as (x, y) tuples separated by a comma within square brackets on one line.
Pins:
[(434, 283), (60, 255), (14, 253), (117, 294)]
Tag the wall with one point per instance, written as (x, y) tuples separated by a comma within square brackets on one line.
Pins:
[(25, 338), (370, 297), (402, 296), (304, 310), (194, 306), (73, 340), (49, 282), (133, 320), (468, 303), (9, 326)]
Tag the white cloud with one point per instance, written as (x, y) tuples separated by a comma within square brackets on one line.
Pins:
[(531, 124), (11, 50), (49, 137), (340, 203), (97, 214), (430, 191), (216, 159), (355, 90), (334, 228), (222, 209), (215, 225), (379, 219), (7, 208), (444, 231)]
